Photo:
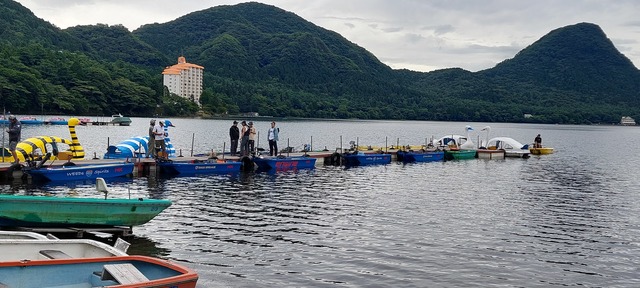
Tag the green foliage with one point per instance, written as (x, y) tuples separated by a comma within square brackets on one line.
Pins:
[(259, 58)]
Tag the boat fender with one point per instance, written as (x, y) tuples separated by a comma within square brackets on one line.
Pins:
[(15, 167), (335, 158), (247, 163)]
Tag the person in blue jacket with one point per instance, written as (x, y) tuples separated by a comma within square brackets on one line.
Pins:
[(272, 136)]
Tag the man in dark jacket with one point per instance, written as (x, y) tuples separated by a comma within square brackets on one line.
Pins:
[(14, 137), (234, 134)]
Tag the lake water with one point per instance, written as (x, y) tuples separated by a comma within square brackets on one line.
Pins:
[(566, 219)]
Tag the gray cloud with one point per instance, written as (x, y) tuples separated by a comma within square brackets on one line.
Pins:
[(412, 34)]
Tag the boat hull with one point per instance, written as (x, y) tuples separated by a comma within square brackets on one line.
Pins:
[(541, 151), (43, 211), (517, 154), (366, 159), (284, 163), (82, 172), (490, 154), (459, 154), (41, 249), (195, 168), (429, 156), (79, 272), (121, 121)]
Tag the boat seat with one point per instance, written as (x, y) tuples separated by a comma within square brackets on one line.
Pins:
[(124, 273), (54, 254), (65, 155)]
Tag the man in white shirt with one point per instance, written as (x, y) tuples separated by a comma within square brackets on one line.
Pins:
[(272, 136), (158, 131)]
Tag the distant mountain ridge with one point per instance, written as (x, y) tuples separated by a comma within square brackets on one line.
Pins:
[(260, 58), (577, 58)]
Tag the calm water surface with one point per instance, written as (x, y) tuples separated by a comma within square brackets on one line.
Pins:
[(567, 219)]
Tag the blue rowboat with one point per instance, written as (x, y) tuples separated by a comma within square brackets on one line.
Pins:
[(281, 163), (57, 121), (200, 167), (30, 120), (362, 159), (427, 156), (81, 172), (115, 271)]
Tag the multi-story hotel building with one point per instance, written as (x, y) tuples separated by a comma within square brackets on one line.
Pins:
[(184, 79)]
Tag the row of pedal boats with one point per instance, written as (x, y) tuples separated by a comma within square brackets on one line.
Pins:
[(29, 260), (498, 148)]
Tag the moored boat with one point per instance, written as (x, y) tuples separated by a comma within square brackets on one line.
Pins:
[(39, 249), (541, 150), (48, 211), (359, 158), (80, 172), (420, 156), (490, 154), (118, 119), (511, 147), (30, 120), (15, 235), (84, 120), (282, 163), (56, 121), (211, 166), (33, 147), (459, 154), (118, 271)]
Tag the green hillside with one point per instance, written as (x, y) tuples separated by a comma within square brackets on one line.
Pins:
[(260, 58)]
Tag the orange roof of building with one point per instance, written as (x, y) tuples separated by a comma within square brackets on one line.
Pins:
[(182, 65)]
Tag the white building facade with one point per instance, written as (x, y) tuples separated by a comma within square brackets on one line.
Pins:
[(184, 79)]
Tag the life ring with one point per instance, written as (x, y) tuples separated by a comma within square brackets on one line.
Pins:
[(335, 158)]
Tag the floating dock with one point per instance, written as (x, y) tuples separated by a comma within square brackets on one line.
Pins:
[(146, 166)]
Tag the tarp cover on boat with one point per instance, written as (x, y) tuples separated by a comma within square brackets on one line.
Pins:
[(129, 147)]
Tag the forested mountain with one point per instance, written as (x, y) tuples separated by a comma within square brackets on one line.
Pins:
[(259, 58)]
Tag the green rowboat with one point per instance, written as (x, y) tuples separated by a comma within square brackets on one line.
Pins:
[(44, 211), (459, 154)]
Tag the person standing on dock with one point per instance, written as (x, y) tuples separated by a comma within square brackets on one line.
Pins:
[(158, 132), (244, 142), (252, 138), (234, 134), (272, 136), (152, 139), (14, 136)]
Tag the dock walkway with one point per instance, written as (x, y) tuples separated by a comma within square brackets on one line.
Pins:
[(144, 166)]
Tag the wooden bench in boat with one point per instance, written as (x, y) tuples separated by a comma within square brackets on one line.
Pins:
[(124, 273), (54, 254)]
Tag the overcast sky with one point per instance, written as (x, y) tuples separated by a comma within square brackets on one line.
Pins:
[(420, 35)]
